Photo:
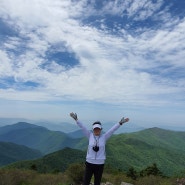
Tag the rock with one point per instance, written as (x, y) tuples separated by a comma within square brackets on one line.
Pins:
[(125, 183), (107, 183), (180, 181), (122, 183)]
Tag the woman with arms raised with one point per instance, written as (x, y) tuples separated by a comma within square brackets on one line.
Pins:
[(95, 157)]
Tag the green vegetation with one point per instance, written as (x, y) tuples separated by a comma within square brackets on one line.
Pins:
[(74, 175), (51, 163), (37, 137), (28, 177), (146, 147), (126, 153), (60, 161), (137, 150), (10, 152)]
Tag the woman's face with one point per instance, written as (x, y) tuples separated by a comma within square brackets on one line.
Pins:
[(97, 131)]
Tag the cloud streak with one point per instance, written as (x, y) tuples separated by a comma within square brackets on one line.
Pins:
[(115, 65)]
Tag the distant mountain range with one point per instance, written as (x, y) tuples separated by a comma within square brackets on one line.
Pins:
[(54, 126), (137, 149), (69, 127), (37, 137), (72, 127)]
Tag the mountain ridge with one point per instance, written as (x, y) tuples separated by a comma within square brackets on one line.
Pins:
[(138, 149), (37, 137)]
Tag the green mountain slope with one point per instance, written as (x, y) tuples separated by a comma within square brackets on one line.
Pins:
[(57, 161), (124, 152), (160, 137), (140, 149), (10, 152), (163, 147), (36, 137)]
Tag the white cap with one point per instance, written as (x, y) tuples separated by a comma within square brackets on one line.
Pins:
[(97, 126)]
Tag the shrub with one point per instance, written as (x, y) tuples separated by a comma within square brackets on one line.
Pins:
[(75, 173), (132, 173), (154, 180), (151, 170)]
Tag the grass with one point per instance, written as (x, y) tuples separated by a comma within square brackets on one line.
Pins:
[(31, 177)]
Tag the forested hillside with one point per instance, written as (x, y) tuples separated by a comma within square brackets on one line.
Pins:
[(57, 161), (10, 152), (124, 151), (139, 149)]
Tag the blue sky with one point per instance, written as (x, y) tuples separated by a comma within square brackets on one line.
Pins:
[(100, 59)]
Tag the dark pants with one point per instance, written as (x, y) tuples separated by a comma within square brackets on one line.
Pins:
[(93, 169)]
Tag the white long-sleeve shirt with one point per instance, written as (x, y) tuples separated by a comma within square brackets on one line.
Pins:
[(100, 156)]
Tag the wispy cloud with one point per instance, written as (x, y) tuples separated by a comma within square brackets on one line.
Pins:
[(121, 66)]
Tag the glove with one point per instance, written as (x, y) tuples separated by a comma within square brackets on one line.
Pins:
[(123, 120), (73, 115)]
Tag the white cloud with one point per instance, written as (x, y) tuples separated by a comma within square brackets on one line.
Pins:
[(5, 65), (116, 69)]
